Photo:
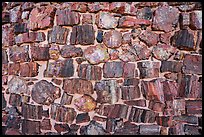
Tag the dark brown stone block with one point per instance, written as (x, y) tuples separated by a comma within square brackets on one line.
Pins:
[(20, 28), (32, 111), (58, 35), (183, 39), (29, 69), (76, 85), (60, 68), (113, 69), (130, 92), (45, 124), (170, 89), (82, 34), (39, 53), (165, 121), (171, 66), (15, 99), (192, 64), (61, 127), (66, 99), (89, 72), (141, 102)]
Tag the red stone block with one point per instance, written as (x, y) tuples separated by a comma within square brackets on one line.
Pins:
[(69, 51), (89, 72), (156, 106), (183, 39), (192, 64), (153, 90), (98, 6), (196, 20), (149, 37), (127, 129), (19, 54), (178, 106), (12, 131), (170, 90), (56, 81), (76, 85), (7, 35), (30, 37), (4, 69), (44, 19), (66, 99), (171, 66), (165, 38), (67, 18), (165, 18), (189, 87), (165, 121), (13, 68), (39, 53), (129, 70), (131, 81), (107, 91), (112, 39), (177, 129), (29, 69)]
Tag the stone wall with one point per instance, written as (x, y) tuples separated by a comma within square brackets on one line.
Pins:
[(102, 68)]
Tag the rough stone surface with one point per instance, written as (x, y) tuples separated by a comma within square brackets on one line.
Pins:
[(60, 68), (192, 64), (45, 17), (149, 37), (113, 39), (8, 38), (196, 20), (107, 91), (163, 52), (86, 103), (58, 35), (165, 18), (67, 18), (82, 34), (113, 69), (69, 51), (96, 54), (89, 72), (183, 39), (39, 89), (172, 66), (19, 54), (76, 85), (39, 53), (106, 20)]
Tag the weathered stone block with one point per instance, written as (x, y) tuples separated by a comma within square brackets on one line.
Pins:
[(60, 68), (41, 18), (58, 35), (149, 37), (113, 39), (69, 51), (171, 66), (32, 111), (67, 18), (82, 34), (76, 85), (40, 88), (39, 53), (89, 72), (113, 69), (30, 127), (106, 21), (29, 69)]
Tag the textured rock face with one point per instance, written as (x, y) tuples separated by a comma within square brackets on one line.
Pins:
[(44, 18), (183, 39), (166, 17), (85, 103), (82, 34), (60, 68), (101, 68), (39, 89), (113, 39), (106, 20), (69, 51), (77, 85), (96, 54)]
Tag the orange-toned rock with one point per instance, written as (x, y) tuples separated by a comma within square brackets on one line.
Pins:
[(85, 103)]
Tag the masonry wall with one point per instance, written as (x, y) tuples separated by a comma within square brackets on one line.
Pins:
[(103, 68)]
